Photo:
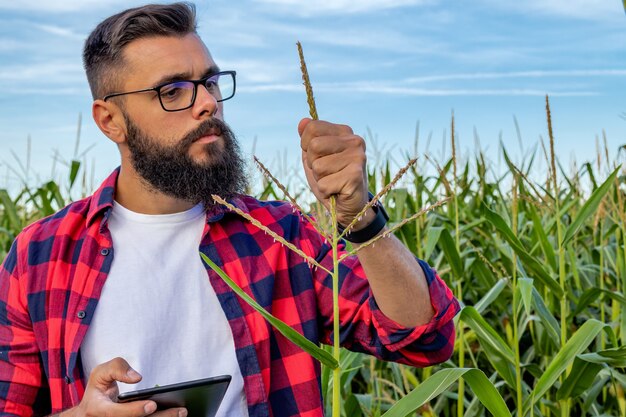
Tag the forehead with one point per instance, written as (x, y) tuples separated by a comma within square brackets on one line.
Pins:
[(151, 59)]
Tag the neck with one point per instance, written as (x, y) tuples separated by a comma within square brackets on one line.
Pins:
[(134, 194)]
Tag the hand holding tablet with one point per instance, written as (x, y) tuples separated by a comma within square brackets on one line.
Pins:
[(201, 397)]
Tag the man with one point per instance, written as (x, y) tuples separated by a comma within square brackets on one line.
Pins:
[(110, 293)]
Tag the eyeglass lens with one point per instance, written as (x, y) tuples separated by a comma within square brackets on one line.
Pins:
[(180, 94)]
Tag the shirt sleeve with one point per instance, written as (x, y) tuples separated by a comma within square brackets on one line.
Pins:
[(365, 328), (23, 391)]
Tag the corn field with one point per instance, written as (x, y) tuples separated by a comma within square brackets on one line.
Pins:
[(538, 262)]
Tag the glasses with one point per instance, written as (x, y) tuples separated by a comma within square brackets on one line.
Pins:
[(181, 95)]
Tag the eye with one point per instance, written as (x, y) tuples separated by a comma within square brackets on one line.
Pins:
[(175, 91), (212, 82)]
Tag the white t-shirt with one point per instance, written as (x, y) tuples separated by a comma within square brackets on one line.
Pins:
[(158, 309)]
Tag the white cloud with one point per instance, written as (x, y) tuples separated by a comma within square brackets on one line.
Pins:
[(84, 92), (269, 88), (13, 45), (519, 74), (59, 31), (58, 6), (255, 71), (390, 40), (340, 6), (48, 73), (582, 9), (404, 91), (395, 89), (379, 40), (579, 8)]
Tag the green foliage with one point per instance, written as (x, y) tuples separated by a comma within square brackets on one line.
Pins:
[(507, 265)]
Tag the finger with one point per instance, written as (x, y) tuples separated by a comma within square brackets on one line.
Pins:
[(310, 178), (328, 145), (317, 128), (331, 164), (347, 184), (172, 412), (131, 409), (114, 370), (303, 124)]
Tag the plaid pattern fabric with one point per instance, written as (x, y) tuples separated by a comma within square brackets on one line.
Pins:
[(52, 278)]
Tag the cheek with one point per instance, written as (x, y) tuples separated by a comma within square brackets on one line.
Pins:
[(163, 129), (219, 114), (162, 134), (154, 123)]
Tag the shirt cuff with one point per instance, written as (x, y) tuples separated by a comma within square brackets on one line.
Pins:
[(395, 336)]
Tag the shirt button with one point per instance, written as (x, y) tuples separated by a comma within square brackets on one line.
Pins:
[(81, 314), (104, 252), (67, 379)]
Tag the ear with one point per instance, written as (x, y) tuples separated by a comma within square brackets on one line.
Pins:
[(110, 120)]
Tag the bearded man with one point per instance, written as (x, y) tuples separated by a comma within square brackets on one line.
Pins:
[(110, 293)]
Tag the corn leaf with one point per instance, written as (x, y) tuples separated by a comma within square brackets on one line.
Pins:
[(595, 390), (474, 408), (268, 192), (498, 352), (439, 382), (597, 294), (352, 407), (452, 255), (552, 327), (579, 380), (46, 206), (432, 237), (10, 210), (485, 332), (542, 236), (492, 295), (574, 346), (305, 344), (615, 357), (590, 207), (365, 402), (74, 171), (529, 261), (485, 277), (525, 286), (55, 193)]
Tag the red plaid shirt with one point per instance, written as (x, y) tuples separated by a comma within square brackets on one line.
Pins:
[(53, 275)]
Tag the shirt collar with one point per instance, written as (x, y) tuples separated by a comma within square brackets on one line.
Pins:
[(102, 202)]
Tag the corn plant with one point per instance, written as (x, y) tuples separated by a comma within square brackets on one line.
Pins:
[(429, 388)]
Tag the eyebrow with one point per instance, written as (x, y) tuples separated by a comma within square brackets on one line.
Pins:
[(181, 76)]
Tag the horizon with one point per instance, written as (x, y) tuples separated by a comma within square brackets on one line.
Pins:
[(381, 67)]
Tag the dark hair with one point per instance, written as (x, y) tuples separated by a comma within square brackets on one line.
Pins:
[(102, 54)]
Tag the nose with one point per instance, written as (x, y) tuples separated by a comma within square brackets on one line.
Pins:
[(205, 104)]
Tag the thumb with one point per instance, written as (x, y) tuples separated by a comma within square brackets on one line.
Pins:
[(302, 125), (104, 375)]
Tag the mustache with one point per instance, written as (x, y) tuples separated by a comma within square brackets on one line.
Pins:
[(207, 127)]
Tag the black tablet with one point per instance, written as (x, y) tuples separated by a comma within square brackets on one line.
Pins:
[(201, 397)]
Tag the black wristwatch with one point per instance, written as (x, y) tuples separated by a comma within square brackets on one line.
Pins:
[(372, 229)]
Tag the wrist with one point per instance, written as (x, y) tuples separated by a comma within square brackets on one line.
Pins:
[(65, 413), (70, 412), (372, 223), (365, 220)]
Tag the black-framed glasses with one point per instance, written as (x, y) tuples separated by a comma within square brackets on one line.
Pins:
[(181, 95)]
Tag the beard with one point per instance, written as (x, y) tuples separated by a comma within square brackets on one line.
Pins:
[(170, 169)]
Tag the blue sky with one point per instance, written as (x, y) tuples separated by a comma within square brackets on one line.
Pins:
[(377, 65)]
